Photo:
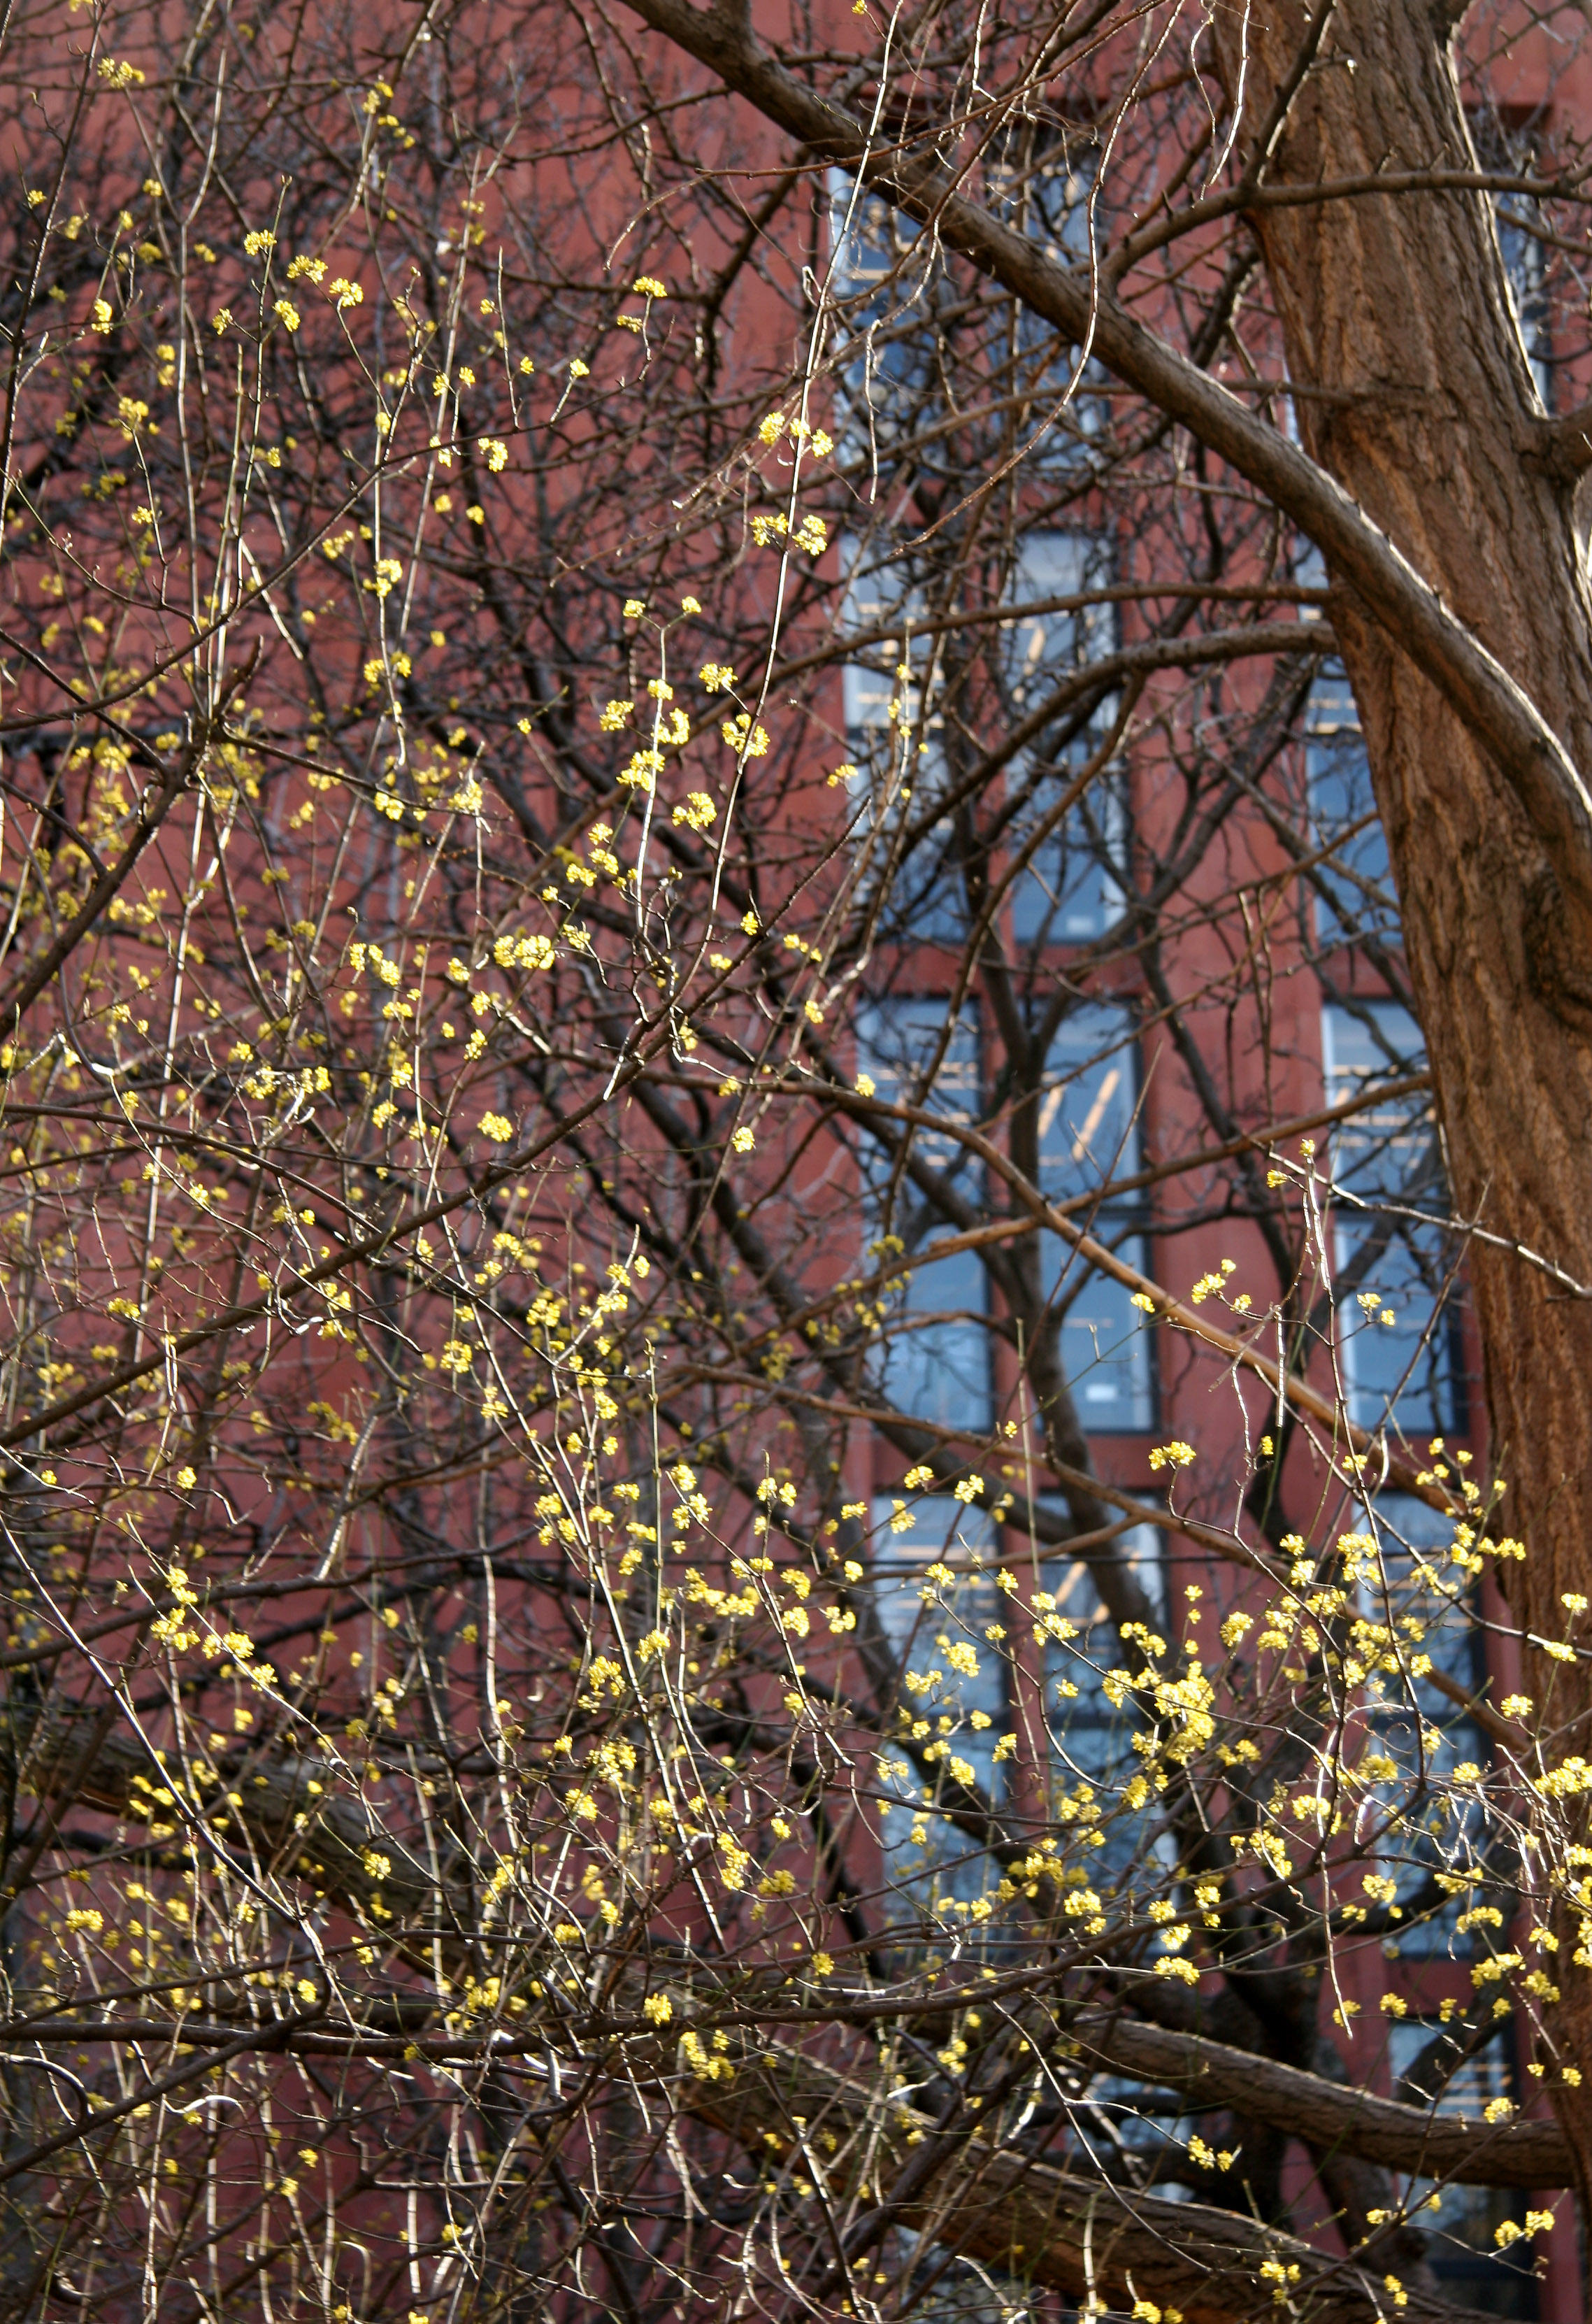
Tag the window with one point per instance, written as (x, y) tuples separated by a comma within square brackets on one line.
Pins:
[(880, 592), (942, 1531), (935, 1360), (946, 1531), (891, 744), (1089, 1136), (1398, 1348), (1043, 645), (1525, 266), (882, 274), (1091, 1738), (1071, 891), (887, 280), (1049, 200), (1356, 898), (1506, 139)]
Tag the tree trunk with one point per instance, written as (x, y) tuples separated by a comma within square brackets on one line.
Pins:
[(1400, 306)]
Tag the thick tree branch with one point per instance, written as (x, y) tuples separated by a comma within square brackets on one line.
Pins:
[(1492, 705), (1563, 445), (1081, 2237), (1307, 2106)]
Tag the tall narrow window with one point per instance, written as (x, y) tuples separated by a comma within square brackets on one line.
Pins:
[(935, 1354), (1392, 1257), (1051, 185), (1354, 895), (1071, 890), (1090, 1727), (897, 750), (1525, 266), (1088, 1137), (956, 1681), (1506, 142), (946, 1533), (881, 277)]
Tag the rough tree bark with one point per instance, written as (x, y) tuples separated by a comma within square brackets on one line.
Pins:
[(1400, 307)]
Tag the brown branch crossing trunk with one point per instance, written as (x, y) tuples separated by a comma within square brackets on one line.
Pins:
[(1078, 2236), (1400, 307), (1400, 2137)]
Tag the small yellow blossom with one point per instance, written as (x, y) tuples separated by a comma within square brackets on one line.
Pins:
[(1175, 1455)]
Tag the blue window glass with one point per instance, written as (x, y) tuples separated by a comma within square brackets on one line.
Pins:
[(882, 275), (880, 706), (1072, 889), (1041, 644), (937, 1357), (1051, 204), (1090, 1737), (935, 1354), (885, 276), (1089, 1136), (946, 1531), (1358, 898), (942, 1531), (1068, 892), (1406, 1367), (893, 744), (1055, 197)]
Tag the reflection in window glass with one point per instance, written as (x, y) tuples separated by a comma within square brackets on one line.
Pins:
[(1040, 648), (881, 277), (943, 1531), (1047, 198), (1067, 892), (1398, 1348), (869, 687), (936, 1364), (1071, 891), (1511, 144), (883, 713), (1090, 1737), (1527, 269), (1356, 897), (880, 704), (1087, 1136), (935, 1360)]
